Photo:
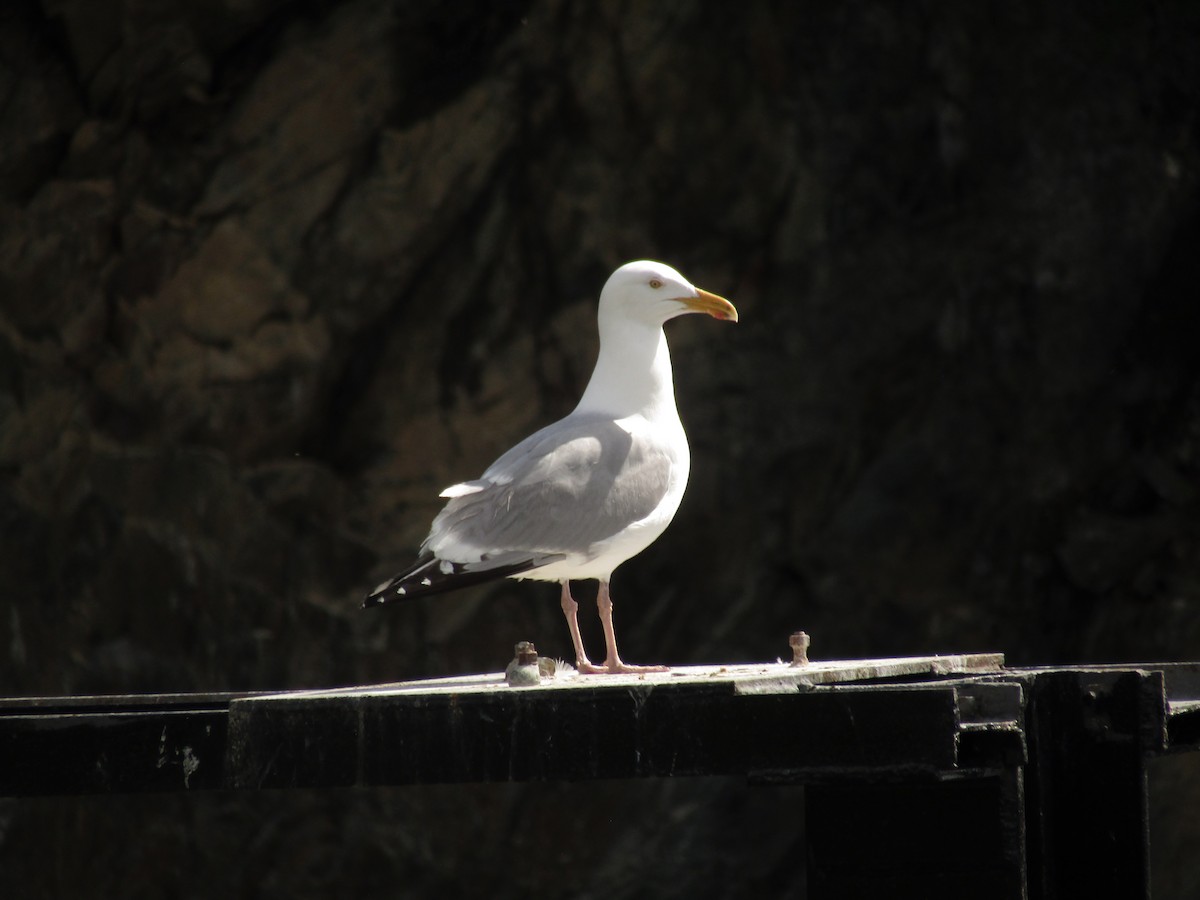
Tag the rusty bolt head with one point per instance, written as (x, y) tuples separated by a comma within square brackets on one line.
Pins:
[(525, 652), (799, 642)]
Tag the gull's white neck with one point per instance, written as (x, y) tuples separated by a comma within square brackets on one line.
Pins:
[(632, 374)]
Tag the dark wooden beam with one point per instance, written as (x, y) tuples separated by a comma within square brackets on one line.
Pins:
[(589, 733), (926, 777)]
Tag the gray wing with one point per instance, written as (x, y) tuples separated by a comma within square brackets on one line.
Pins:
[(561, 490)]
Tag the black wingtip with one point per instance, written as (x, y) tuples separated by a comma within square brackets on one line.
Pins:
[(399, 586), (423, 578), (393, 589)]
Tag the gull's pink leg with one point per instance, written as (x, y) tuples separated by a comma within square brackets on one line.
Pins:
[(570, 609), (612, 662)]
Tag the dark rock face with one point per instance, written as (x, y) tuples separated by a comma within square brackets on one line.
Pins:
[(272, 274)]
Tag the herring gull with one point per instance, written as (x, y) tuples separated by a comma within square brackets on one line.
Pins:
[(579, 497)]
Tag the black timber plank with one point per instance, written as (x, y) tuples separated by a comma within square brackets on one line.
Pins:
[(112, 752), (991, 717), (88, 703), (1183, 725), (1090, 733), (954, 839), (587, 733)]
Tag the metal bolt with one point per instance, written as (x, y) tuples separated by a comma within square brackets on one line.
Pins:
[(799, 642), (525, 652), (523, 670)]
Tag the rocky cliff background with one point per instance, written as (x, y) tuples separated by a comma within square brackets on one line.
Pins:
[(272, 273)]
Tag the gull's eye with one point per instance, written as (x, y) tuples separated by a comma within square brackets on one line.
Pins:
[(655, 283)]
